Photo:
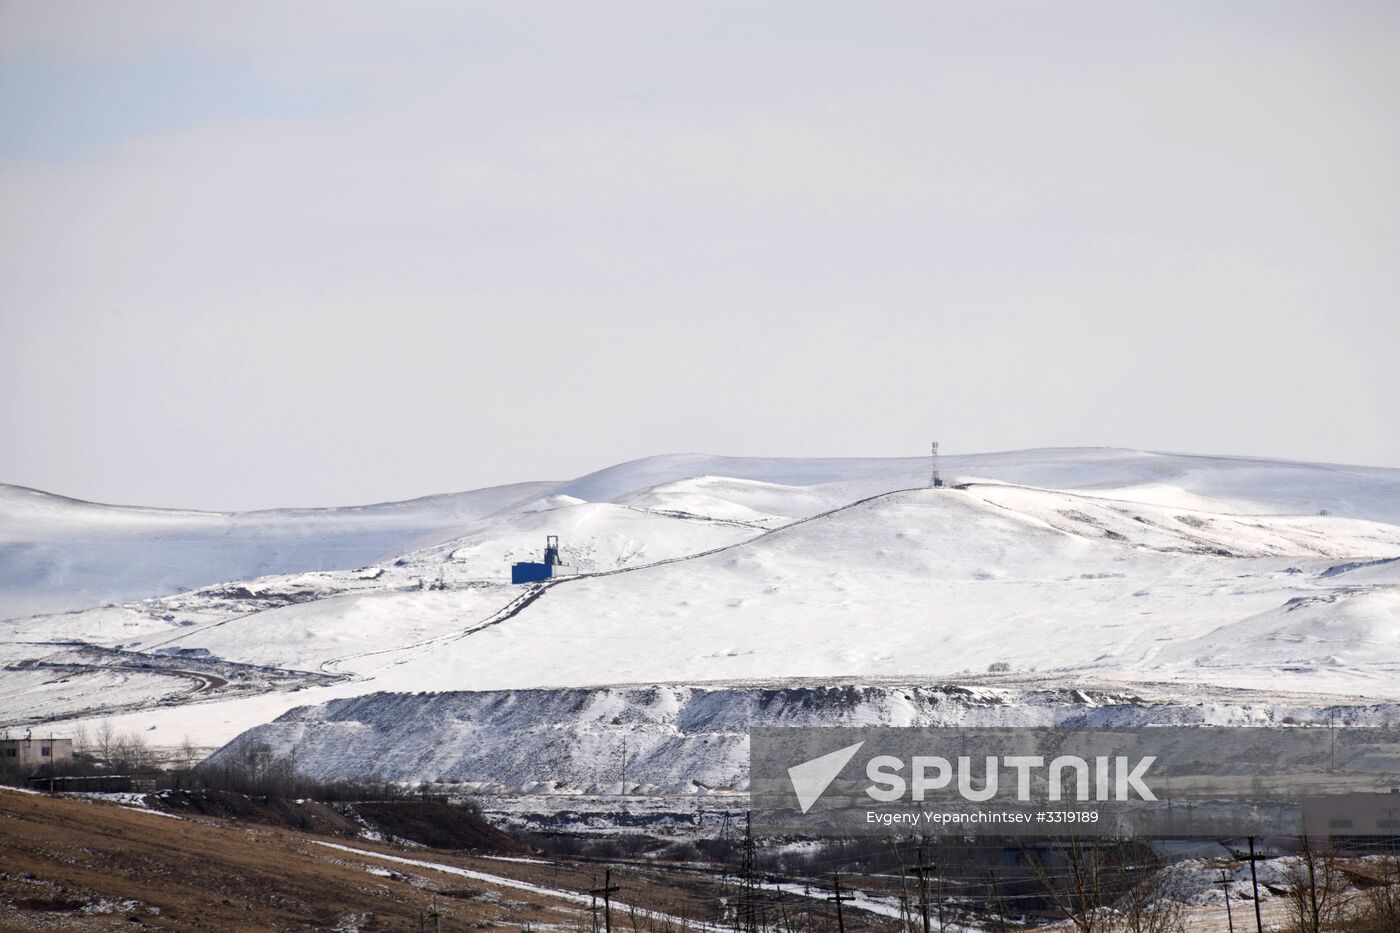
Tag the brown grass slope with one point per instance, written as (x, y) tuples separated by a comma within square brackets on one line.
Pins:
[(79, 864)]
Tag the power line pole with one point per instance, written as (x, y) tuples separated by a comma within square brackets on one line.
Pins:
[(607, 891), (1332, 730), (904, 914), (747, 883), (1254, 877), (998, 904), (1225, 886), (839, 898), (922, 872)]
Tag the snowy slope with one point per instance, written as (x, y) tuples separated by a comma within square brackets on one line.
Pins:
[(398, 604), (330, 624), (763, 505), (928, 583), (618, 481), (1116, 566), (58, 553), (596, 535), (1251, 485), (676, 739)]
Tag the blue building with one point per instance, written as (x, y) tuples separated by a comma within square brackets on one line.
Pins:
[(529, 572)]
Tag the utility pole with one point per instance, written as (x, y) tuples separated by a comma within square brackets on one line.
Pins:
[(724, 877), (838, 897), (747, 886), (922, 872), (904, 921), (607, 891), (998, 903), (1254, 877), (1225, 886), (1332, 731), (904, 918)]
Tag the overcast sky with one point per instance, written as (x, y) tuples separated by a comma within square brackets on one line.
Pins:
[(297, 254)]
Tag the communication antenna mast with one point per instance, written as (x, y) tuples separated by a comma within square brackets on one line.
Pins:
[(935, 480)]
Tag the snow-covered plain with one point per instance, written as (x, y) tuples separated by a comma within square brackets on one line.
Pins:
[(1189, 577)]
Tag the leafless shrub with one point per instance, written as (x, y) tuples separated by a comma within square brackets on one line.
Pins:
[(1108, 886), (1153, 904), (105, 740), (1316, 892), (129, 753), (1376, 907)]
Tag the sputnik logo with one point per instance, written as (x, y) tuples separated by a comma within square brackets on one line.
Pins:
[(811, 778)]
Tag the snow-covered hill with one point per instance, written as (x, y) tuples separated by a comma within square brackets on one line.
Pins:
[(1243, 484), (58, 553), (937, 583), (1107, 566)]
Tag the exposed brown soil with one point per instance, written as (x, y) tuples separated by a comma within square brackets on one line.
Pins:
[(79, 864)]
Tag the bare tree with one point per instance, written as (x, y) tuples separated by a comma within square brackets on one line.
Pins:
[(1153, 904), (1316, 892), (81, 740), (189, 754), (1110, 886), (105, 740), (131, 753), (1378, 907), (1076, 890)]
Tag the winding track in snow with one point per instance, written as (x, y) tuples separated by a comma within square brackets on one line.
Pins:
[(535, 592)]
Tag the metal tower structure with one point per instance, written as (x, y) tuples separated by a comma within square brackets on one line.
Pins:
[(935, 480)]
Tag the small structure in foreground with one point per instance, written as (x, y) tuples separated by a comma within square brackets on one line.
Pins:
[(28, 754)]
